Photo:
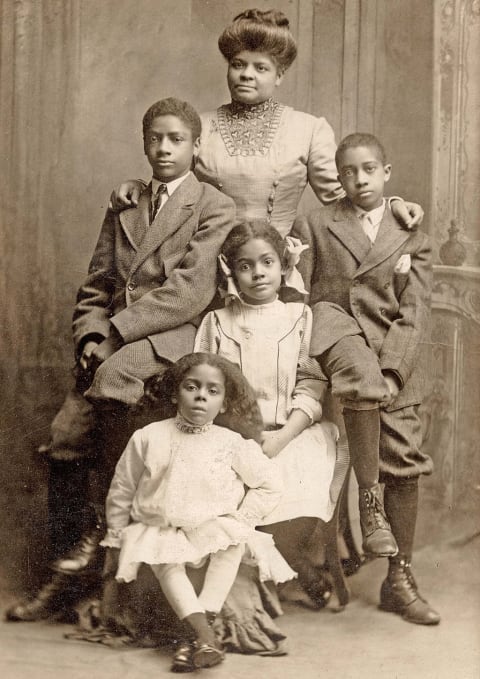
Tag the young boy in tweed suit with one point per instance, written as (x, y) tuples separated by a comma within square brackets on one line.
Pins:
[(370, 283), (152, 274)]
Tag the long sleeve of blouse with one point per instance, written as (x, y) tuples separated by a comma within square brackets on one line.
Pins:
[(321, 170), (128, 473), (264, 481)]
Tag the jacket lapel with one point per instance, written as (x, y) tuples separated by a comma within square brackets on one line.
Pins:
[(347, 228), (175, 212), (135, 221), (390, 237)]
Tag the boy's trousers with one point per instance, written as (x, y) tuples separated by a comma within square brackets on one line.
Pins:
[(356, 379), (116, 385), (88, 437)]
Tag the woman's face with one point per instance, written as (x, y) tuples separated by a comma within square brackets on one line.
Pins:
[(252, 77)]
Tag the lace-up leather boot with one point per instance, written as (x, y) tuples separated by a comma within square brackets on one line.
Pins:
[(377, 535), (85, 556), (399, 594), (58, 596)]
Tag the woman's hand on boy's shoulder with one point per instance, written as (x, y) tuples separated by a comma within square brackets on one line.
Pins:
[(409, 215), (126, 195)]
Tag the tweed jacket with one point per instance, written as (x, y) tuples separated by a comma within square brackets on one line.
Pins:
[(381, 291), (154, 281)]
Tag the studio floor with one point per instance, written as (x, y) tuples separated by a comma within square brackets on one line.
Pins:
[(357, 643)]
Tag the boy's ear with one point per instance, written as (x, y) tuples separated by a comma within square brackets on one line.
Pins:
[(196, 147), (388, 171), (174, 400)]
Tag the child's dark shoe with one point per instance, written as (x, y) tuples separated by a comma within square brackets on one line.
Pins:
[(183, 659), (316, 583), (399, 594), (377, 535), (207, 655)]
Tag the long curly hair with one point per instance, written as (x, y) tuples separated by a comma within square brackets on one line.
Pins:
[(258, 31), (242, 413)]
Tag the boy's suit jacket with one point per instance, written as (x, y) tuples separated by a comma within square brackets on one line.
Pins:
[(154, 280), (381, 291)]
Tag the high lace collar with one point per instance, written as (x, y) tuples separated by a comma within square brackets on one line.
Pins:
[(189, 428), (238, 108), (249, 129)]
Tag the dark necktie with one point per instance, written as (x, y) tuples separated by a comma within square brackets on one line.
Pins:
[(156, 201)]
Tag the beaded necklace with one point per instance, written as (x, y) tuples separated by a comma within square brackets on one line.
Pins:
[(189, 428)]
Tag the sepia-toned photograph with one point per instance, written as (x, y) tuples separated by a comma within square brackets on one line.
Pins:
[(240, 339)]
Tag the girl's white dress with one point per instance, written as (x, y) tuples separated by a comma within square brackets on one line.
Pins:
[(270, 343), (178, 495)]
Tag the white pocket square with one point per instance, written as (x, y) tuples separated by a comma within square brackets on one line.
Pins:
[(404, 264)]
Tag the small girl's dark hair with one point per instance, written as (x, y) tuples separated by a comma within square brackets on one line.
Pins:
[(258, 31), (245, 231), (242, 412), (173, 107)]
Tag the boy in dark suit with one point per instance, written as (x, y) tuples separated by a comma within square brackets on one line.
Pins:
[(152, 274), (370, 283)]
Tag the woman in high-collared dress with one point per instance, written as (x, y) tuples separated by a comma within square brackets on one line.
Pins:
[(258, 151)]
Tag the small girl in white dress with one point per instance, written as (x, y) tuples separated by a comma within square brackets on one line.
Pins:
[(178, 498), (269, 340)]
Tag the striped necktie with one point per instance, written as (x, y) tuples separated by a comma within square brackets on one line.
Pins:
[(156, 201)]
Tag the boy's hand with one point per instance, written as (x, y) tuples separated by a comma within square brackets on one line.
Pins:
[(126, 195), (410, 215), (86, 357), (393, 385), (105, 349), (273, 442)]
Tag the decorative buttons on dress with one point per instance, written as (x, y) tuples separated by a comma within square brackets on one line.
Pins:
[(383, 311), (386, 286), (220, 186), (276, 182), (248, 334), (131, 286)]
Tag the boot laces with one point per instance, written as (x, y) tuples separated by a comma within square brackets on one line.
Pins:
[(376, 513)]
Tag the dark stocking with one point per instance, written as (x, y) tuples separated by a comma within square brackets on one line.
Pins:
[(114, 426), (67, 502), (401, 504), (363, 434)]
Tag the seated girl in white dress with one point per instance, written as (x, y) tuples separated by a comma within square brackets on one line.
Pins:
[(269, 340), (178, 499)]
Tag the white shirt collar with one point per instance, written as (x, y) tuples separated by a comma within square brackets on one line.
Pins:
[(375, 215), (171, 186)]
